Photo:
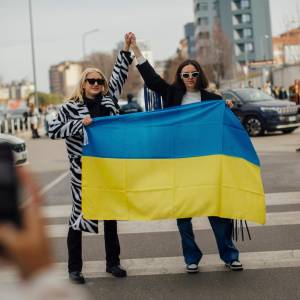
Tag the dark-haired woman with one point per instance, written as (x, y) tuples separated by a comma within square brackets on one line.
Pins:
[(93, 97), (189, 87)]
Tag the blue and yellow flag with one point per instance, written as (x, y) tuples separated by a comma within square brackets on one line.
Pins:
[(192, 160)]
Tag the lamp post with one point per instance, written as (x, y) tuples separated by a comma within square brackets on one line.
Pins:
[(246, 70), (36, 99), (262, 39), (83, 37)]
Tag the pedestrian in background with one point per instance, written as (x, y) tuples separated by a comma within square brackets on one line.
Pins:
[(267, 87), (282, 93), (190, 87), (131, 106), (250, 84), (94, 97), (33, 115)]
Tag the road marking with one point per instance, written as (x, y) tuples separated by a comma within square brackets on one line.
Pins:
[(282, 198), (175, 265), (129, 227), (56, 211), (54, 183), (60, 211)]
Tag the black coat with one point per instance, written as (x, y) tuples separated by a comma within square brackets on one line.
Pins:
[(171, 95)]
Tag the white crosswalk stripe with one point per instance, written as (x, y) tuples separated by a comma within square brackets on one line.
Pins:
[(272, 199), (174, 265), (128, 227)]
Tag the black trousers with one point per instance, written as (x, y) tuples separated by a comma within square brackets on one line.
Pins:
[(112, 246)]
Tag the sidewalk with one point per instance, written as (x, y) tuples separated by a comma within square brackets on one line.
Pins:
[(26, 135)]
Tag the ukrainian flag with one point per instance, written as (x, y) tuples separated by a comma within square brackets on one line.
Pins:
[(187, 161)]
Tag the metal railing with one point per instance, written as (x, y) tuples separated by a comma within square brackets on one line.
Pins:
[(15, 125)]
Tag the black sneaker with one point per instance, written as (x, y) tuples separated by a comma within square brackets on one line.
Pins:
[(116, 271), (76, 277), (192, 268), (235, 266)]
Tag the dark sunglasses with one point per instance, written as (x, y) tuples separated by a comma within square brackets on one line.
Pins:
[(190, 75), (92, 81)]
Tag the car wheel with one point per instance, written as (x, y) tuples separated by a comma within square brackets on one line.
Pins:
[(254, 126), (288, 130)]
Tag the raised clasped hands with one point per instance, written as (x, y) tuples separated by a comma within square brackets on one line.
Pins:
[(130, 41)]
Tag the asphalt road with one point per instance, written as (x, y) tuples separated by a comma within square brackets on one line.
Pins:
[(153, 256)]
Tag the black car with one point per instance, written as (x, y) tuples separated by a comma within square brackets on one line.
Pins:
[(260, 113)]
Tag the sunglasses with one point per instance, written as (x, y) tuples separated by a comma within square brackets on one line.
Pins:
[(190, 75), (92, 81)]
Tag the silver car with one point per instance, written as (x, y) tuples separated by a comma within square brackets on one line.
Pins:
[(18, 147)]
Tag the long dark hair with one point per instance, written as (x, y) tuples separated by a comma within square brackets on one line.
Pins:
[(202, 81)]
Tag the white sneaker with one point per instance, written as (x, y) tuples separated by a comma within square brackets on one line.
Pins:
[(235, 266), (192, 268)]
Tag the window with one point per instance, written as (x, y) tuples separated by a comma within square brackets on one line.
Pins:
[(245, 4), (215, 5), (203, 6), (203, 21), (228, 96), (237, 34), (246, 18), (237, 50), (236, 19), (249, 47), (247, 32)]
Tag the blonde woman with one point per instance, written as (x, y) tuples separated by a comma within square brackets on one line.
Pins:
[(93, 97)]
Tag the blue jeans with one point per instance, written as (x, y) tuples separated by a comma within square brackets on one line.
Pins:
[(222, 229)]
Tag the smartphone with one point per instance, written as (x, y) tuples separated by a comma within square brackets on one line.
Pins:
[(9, 187)]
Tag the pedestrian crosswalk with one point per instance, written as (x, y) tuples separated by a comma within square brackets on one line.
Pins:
[(276, 258), (174, 265), (124, 227), (59, 211)]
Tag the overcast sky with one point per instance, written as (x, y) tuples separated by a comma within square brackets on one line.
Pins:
[(59, 25)]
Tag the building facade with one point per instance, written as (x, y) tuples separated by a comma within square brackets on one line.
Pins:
[(4, 93), (246, 23), (287, 47), (64, 77), (189, 34), (16, 90)]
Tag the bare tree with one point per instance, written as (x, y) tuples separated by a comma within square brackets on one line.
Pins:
[(216, 55), (105, 62), (172, 65), (102, 61), (134, 82)]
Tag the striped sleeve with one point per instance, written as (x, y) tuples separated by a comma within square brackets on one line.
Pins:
[(63, 126), (119, 74)]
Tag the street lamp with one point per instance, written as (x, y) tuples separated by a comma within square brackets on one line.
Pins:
[(246, 67), (84, 35), (36, 99), (262, 39)]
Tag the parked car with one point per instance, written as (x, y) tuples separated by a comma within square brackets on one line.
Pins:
[(18, 146), (260, 113)]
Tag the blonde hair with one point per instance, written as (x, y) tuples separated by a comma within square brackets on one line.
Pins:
[(78, 93)]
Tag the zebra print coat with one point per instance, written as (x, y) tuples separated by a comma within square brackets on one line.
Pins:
[(68, 125)]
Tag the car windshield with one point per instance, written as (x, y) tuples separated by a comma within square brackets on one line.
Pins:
[(252, 95)]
